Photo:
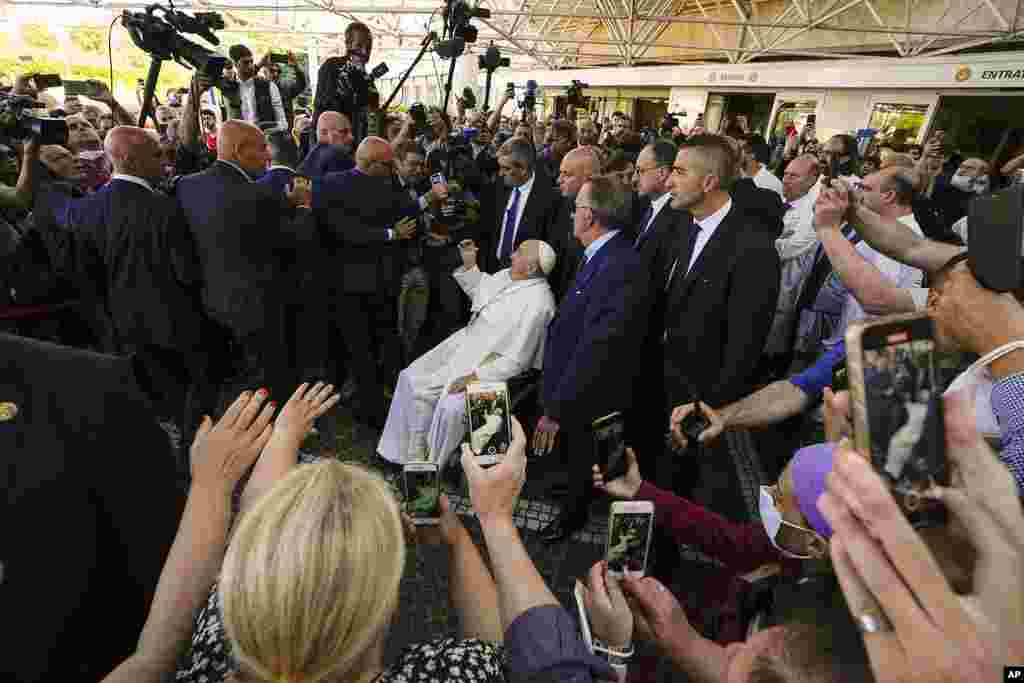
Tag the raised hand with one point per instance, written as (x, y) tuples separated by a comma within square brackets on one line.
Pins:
[(223, 451)]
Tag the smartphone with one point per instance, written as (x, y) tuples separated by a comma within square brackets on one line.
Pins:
[(510, 88), (995, 234), (489, 418), (610, 445), (695, 423), (812, 119), (422, 492), (581, 609), (276, 58), (46, 81), (438, 179), (302, 182), (896, 383), (79, 88), (629, 537), (833, 167)]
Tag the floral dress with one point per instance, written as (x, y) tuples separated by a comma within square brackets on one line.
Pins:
[(446, 659)]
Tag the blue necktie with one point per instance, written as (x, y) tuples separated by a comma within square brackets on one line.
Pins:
[(644, 220), (509, 235)]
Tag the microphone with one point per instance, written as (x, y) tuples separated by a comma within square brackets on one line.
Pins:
[(378, 71)]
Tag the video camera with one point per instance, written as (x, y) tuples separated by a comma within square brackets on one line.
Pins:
[(160, 37), (457, 29), (995, 226), (529, 100), (574, 93), (16, 123)]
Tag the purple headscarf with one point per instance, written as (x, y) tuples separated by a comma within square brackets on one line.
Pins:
[(809, 467)]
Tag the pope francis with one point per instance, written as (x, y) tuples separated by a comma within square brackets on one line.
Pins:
[(505, 337)]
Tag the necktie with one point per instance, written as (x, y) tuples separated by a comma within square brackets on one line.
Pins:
[(644, 220), (691, 242), (509, 234)]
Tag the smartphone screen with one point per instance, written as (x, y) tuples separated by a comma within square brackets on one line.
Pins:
[(422, 493), (629, 539), (996, 232), (438, 179), (489, 418), (78, 88), (610, 445), (899, 422)]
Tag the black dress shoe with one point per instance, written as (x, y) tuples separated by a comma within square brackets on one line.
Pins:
[(556, 531)]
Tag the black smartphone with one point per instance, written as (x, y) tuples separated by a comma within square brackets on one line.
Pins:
[(46, 81), (277, 58), (610, 445), (896, 382), (812, 119), (995, 234), (833, 167)]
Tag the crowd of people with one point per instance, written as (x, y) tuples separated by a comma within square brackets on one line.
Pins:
[(242, 247)]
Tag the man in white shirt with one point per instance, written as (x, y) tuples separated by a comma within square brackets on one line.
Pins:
[(756, 155), (252, 99), (505, 337)]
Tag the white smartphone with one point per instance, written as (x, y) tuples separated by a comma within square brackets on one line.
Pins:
[(584, 622), (422, 492), (629, 537), (489, 420)]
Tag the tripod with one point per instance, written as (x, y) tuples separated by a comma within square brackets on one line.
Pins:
[(424, 46)]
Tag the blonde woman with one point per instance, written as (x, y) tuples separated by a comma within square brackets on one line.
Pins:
[(310, 584)]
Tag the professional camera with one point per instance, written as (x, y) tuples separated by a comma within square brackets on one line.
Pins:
[(160, 37), (574, 93), (457, 28), (16, 123), (419, 118), (529, 100)]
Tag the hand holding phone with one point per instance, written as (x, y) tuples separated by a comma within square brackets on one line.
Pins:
[(422, 492), (603, 611), (624, 486), (489, 417), (629, 538)]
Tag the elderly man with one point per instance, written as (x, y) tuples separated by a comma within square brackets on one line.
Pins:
[(505, 337), (333, 151)]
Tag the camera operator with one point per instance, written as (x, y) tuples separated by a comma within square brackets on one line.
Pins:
[(272, 72), (20, 196), (194, 154), (252, 99), (340, 81)]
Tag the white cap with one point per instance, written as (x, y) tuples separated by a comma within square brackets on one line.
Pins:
[(546, 257)]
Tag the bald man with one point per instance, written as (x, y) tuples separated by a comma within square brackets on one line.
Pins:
[(366, 218), (578, 166), (246, 236), (135, 259), (333, 151), (505, 337)]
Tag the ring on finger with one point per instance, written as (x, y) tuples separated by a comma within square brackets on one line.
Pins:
[(873, 621)]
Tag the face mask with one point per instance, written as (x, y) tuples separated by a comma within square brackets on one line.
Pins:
[(965, 183), (772, 520), (978, 379), (358, 57)]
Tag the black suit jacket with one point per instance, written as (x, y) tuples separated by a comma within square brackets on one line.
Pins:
[(761, 204), (354, 212), (716, 318), (245, 234), (133, 247), (567, 248), (90, 506), (539, 215)]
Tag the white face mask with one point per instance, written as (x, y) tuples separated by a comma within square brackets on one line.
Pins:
[(966, 183), (773, 521), (978, 379)]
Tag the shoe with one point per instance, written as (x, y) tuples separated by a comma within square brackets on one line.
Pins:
[(556, 531)]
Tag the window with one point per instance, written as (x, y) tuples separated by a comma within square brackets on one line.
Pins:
[(898, 123)]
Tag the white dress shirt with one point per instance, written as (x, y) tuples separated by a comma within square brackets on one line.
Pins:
[(524, 195), (708, 226), (132, 179), (656, 206), (247, 93), (595, 246), (798, 233), (767, 180)]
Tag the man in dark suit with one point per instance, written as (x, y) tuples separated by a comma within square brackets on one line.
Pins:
[(588, 371), (133, 252), (333, 151), (578, 167), (283, 160), (245, 236), (523, 209), (90, 505), (720, 295), (366, 218)]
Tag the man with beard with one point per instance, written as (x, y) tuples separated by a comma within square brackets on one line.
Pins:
[(340, 81), (720, 298), (333, 151)]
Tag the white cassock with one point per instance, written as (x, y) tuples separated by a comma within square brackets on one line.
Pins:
[(509, 318)]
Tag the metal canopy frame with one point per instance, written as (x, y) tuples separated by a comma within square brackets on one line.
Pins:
[(556, 34)]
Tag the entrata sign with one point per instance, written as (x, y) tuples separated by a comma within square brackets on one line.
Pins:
[(965, 73)]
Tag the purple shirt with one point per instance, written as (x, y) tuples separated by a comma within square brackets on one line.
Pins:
[(545, 639)]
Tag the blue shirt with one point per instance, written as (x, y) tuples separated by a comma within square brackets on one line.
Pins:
[(596, 245), (814, 379), (545, 639), (1008, 405)]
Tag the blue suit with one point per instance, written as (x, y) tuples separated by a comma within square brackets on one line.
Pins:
[(278, 178), (591, 357), (324, 159)]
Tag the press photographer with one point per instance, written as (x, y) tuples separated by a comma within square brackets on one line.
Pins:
[(342, 84), (252, 99)]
